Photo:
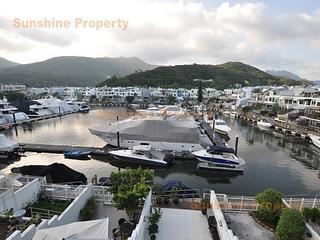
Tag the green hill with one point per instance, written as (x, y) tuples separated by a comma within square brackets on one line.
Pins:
[(223, 76), (71, 71)]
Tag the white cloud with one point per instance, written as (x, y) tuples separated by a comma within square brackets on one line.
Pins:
[(169, 32)]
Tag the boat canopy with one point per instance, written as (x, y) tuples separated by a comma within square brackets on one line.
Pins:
[(219, 150), (6, 145)]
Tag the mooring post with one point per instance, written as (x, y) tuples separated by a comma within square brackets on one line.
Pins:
[(14, 118), (59, 110), (117, 118), (202, 113), (118, 139), (236, 148)]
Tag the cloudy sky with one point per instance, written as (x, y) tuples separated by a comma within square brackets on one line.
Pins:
[(269, 34)]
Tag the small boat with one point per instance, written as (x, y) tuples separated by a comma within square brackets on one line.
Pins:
[(264, 125), (219, 158), (233, 114), (226, 113), (8, 149), (220, 126), (76, 154), (143, 155), (315, 140)]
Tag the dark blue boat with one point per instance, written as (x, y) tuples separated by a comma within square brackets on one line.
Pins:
[(76, 154)]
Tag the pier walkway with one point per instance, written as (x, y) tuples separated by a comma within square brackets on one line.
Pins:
[(46, 148)]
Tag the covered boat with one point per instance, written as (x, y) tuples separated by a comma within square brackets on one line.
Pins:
[(76, 154), (8, 148), (171, 134), (55, 173)]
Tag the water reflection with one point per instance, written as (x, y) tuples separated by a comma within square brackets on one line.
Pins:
[(272, 159)]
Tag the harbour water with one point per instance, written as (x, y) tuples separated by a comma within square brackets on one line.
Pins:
[(288, 164)]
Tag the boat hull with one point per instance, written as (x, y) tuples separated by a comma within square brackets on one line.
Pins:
[(138, 161), (315, 140)]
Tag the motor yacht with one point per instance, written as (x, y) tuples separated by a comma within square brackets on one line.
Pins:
[(79, 106), (220, 126), (176, 133), (223, 157), (143, 155), (264, 125), (315, 140), (9, 114)]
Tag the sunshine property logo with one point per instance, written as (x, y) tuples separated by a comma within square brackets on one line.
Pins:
[(52, 23)]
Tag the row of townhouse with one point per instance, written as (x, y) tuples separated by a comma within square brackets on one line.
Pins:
[(295, 98), (121, 93)]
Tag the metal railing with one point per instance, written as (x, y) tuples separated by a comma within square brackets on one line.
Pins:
[(43, 213), (103, 195)]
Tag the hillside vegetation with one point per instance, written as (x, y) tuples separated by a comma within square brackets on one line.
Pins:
[(223, 76)]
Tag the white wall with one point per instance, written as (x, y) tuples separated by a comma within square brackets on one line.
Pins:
[(28, 194), (224, 232), (140, 232), (69, 215)]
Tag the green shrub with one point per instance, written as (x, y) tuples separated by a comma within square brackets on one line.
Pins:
[(88, 211), (291, 225), (267, 216), (311, 214), (270, 198)]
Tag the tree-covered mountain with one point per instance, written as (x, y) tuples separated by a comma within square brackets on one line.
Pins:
[(71, 71), (4, 63), (284, 73), (222, 76)]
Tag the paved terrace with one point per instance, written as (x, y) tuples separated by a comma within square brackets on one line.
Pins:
[(181, 224), (246, 228)]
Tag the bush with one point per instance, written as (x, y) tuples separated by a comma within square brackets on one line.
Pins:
[(291, 225), (311, 214), (267, 216), (88, 210), (270, 198)]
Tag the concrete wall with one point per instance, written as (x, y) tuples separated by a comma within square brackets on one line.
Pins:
[(28, 194), (69, 215), (140, 232), (224, 232)]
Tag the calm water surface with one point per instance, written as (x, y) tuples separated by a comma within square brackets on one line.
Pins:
[(272, 160)]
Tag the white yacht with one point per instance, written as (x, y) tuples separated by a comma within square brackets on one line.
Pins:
[(143, 155), (219, 157), (177, 133), (79, 106), (264, 125), (315, 140), (38, 110), (233, 114), (55, 105), (220, 126), (7, 112)]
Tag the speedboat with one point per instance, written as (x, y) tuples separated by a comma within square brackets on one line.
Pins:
[(143, 155), (177, 133), (79, 106), (264, 125), (76, 154), (315, 140), (220, 126), (222, 157)]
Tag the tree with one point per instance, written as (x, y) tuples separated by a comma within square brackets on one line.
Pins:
[(270, 198), (200, 97), (129, 187), (171, 99), (291, 225), (129, 99), (13, 96)]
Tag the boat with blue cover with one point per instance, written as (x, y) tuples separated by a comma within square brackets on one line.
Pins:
[(76, 154), (218, 157)]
